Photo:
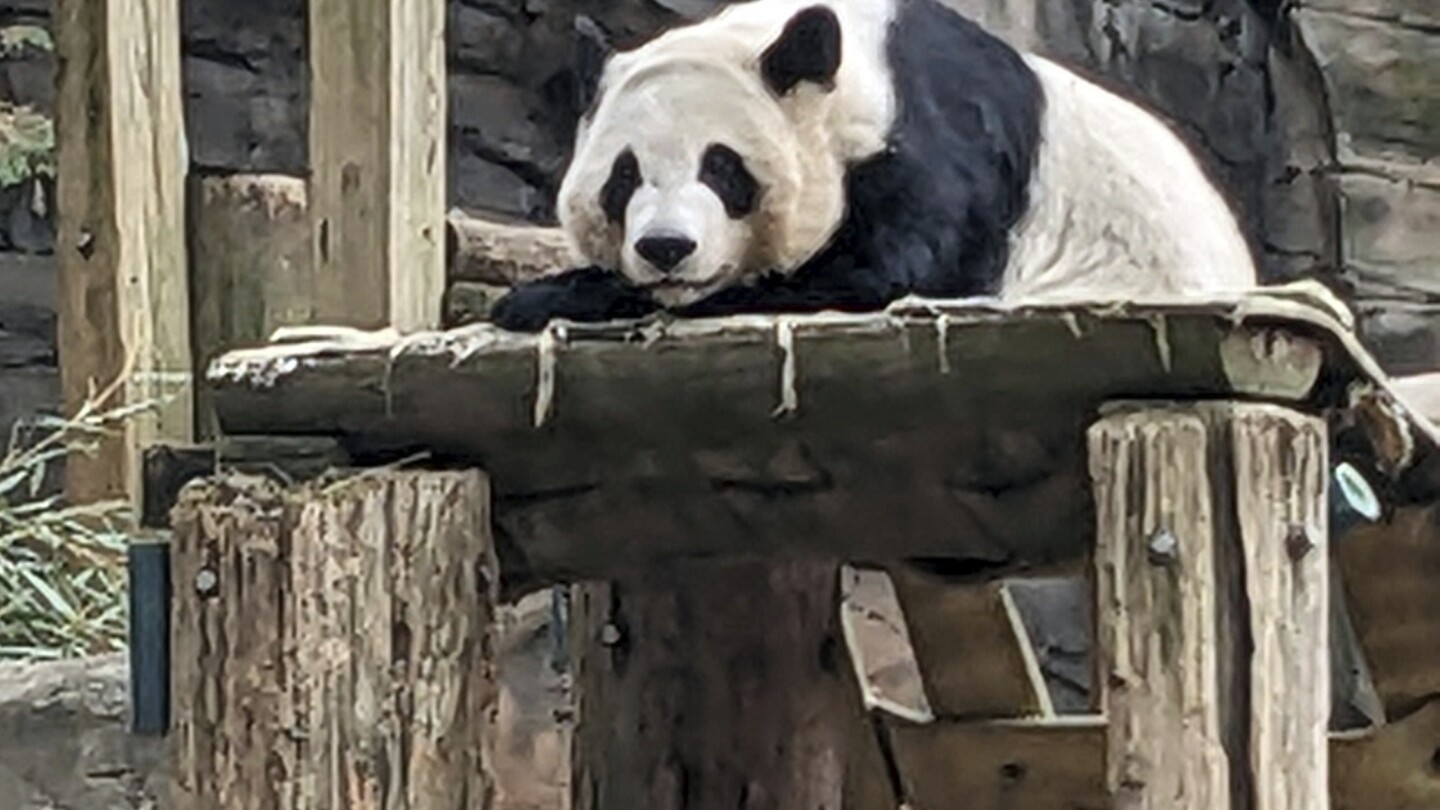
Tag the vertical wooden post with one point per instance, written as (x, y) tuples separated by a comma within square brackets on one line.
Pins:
[(715, 685), (251, 273), (377, 157), (1212, 605), (333, 644), (121, 231)]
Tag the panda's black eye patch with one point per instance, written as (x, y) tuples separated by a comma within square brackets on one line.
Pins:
[(724, 172), (620, 186)]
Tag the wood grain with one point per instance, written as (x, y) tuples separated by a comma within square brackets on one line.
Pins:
[(120, 234), (333, 643), (377, 156), (1212, 605), (717, 685)]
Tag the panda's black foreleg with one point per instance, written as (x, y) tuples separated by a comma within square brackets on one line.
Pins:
[(586, 295), (813, 289)]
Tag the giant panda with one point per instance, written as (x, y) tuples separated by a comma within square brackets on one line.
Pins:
[(808, 155)]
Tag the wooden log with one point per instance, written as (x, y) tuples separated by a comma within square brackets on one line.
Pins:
[(251, 270), (236, 703), (377, 156), (1389, 571), (332, 643), (716, 685), (1003, 764), (1212, 605), (120, 238), (503, 254), (973, 651), (865, 437)]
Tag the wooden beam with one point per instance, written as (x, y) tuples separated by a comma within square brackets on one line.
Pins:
[(333, 643), (377, 157), (1212, 605), (500, 253), (718, 685), (1389, 571), (121, 228), (1002, 764), (854, 436), (251, 267), (973, 651)]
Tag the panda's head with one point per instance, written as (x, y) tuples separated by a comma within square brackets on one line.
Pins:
[(706, 160)]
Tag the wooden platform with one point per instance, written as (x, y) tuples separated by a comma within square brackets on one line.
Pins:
[(947, 430)]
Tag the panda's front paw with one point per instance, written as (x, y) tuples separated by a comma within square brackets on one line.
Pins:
[(587, 295)]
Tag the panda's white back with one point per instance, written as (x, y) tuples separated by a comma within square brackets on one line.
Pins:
[(1119, 206)]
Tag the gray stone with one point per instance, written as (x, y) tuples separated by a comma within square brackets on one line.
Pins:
[(28, 77), (63, 741), (1392, 235), (1383, 85), (483, 41), (1416, 13)]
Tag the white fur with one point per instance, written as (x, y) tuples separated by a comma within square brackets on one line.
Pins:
[(1120, 208), (700, 84)]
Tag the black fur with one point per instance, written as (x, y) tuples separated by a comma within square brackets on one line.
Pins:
[(808, 50), (929, 216), (723, 170)]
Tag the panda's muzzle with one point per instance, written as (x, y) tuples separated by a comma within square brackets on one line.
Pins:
[(665, 251)]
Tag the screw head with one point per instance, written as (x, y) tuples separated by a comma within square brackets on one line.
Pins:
[(207, 583), (610, 635), (1163, 547), (1298, 543)]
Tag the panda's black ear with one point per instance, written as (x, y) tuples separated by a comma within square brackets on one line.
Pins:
[(592, 47), (808, 50)]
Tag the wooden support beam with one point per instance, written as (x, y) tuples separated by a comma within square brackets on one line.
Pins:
[(500, 253), (377, 157), (333, 643), (973, 651), (121, 228), (250, 266), (1212, 599), (718, 685)]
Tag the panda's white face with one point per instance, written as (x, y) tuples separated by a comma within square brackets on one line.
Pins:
[(718, 152), (681, 179)]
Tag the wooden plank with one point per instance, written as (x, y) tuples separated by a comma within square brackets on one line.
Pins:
[(972, 649), (333, 643), (999, 765), (251, 266), (716, 685), (1389, 571), (1059, 765), (120, 230), (492, 252), (860, 436), (1390, 768), (377, 157), (1212, 606)]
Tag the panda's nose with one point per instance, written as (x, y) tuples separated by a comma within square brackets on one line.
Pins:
[(665, 251)]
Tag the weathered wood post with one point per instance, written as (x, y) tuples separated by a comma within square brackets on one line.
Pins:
[(1212, 605), (120, 238), (333, 643), (377, 157), (717, 685)]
